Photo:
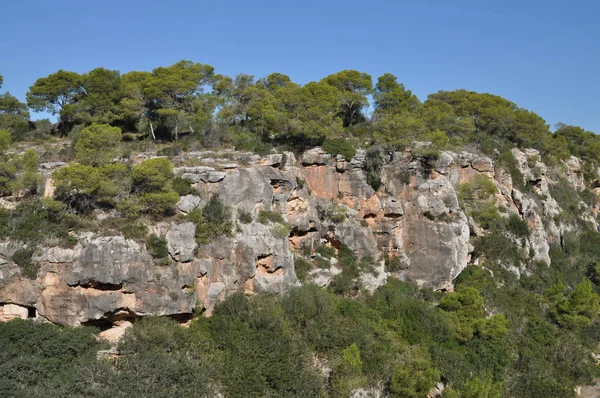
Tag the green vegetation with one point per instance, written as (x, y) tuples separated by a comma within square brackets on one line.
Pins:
[(157, 247), (265, 216), (97, 144), (244, 217), (212, 221), (399, 338), (302, 268), (190, 102)]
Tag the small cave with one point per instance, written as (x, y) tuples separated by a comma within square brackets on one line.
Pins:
[(282, 186), (535, 182), (10, 311), (94, 284), (264, 265), (110, 318), (295, 232), (103, 324), (392, 215)]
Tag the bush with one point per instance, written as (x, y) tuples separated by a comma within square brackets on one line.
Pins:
[(265, 216), (348, 375), (373, 164), (169, 151), (5, 140), (130, 208), (97, 144), (34, 221), (22, 258), (280, 231), (134, 230), (157, 247), (159, 204), (326, 251), (302, 268), (84, 188), (394, 264), (212, 221), (244, 217), (152, 175), (182, 186), (517, 226), (339, 146)]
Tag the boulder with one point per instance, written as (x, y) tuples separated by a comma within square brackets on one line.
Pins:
[(181, 241), (188, 203)]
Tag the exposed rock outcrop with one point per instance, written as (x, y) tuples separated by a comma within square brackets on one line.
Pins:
[(414, 216)]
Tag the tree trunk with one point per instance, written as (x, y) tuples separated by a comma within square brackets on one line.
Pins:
[(152, 131)]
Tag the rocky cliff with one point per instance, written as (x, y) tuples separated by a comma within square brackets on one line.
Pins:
[(414, 220)]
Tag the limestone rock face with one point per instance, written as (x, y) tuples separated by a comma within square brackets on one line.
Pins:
[(181, 241), (315, 156), (414, 216), (188, 203)]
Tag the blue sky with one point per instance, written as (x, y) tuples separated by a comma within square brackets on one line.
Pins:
[(543, 55)]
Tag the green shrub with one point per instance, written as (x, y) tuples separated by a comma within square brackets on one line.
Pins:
[(373, 164), (244, 217), (152, 175), (508, 161), (265, 216), (5, 140), (182, 186), (517, 226), (157, 247), (302, 268), (348, 375), (403, 176), (159, 204), (29, 181), (339, 146), (169, 151), (429, 216), (427, 154), (212, 221), (134, 230), (34, 221), (130, 207), (323, 263), (280, 231), (326, 251), (23, 258), (393, 264), (97, 144), (486, 215), (84, 188), (414, 376)]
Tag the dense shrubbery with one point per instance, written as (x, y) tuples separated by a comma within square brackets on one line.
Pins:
[(143, 189), (399, 338)]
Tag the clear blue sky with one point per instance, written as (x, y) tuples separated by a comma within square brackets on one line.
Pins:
[(543, 55)]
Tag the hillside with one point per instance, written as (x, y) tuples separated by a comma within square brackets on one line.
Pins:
[(262, 238)]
